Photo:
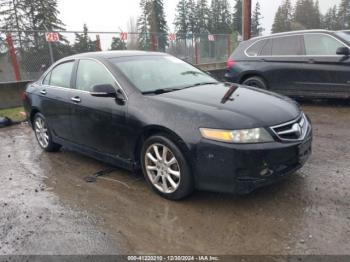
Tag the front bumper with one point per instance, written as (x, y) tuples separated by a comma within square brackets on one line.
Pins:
[(240, 169)]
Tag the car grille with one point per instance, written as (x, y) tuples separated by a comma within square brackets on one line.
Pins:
[(292, 131)]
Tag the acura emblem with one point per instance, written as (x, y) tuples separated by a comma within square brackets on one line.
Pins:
[(296, 128)]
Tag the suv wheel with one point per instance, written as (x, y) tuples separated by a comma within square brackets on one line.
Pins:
[(165, 168), (43, 134), (255, 81)]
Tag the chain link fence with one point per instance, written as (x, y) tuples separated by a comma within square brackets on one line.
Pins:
[(25, 55)]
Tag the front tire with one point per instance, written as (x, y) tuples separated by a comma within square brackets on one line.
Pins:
[(165, 168), (255, 81), (43, 134)]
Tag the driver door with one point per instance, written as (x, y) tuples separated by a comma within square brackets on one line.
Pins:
[(98, 123), (325, 71)]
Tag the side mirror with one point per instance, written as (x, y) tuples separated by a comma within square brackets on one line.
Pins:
[(103, 91), (343, 51)]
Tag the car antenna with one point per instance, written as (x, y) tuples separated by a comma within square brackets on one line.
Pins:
[(229, 93)]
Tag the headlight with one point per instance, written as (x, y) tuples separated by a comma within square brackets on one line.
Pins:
[(255, 135)]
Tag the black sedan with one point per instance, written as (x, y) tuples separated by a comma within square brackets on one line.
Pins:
[(183, 128)]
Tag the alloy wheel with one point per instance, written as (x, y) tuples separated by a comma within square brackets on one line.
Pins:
[(162, 168), (41, 132)]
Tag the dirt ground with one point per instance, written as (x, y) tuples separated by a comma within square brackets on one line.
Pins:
[(46, 207)]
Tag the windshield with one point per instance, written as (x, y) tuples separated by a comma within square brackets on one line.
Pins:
[(345, 35), (151, 73)]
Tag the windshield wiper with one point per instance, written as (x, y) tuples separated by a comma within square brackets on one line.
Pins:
[(168, 90), (202, 84), (161, 91)]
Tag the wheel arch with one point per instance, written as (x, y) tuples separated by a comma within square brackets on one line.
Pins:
[(252, 74), (154, 130), (33, 112)]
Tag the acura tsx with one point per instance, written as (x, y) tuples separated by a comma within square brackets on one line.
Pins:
[(184, 129)]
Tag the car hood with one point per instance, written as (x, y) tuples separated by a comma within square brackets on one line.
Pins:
[(247, 107)]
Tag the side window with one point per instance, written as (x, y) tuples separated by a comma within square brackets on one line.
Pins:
[(91, 73), (254, 50), (320, 44), (286, 46), (46, 80), (266, 51), (61, 74)]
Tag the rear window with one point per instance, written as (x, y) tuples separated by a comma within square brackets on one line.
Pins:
[(255, 49), (286, 46)]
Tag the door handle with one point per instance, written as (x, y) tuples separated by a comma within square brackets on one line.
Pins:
[(76, 99), (43, 92), (311, 61)]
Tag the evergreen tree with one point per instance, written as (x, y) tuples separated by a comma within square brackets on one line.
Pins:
[(344, 14), (220, 17), (192, 23), (181, 19), (283, 18), (83, 42), (214, 24), (42, 15), (317, 16), (152, 25), (225, 18), (117, 44), (237, 17), (158, 24), (256, 17), (279, 22), (12, 17), (33, 15), (143, 27), (202, 16), (330, 19), (307, 14)]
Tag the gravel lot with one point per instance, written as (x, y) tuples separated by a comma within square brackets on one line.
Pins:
[(48, 208)]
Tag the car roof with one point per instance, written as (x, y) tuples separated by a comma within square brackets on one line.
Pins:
[(294, 33), (115, 54)]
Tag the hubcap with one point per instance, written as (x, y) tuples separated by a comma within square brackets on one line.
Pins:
[(162, 168), (41, 132)]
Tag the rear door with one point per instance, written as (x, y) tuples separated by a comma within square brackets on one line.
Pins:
[(97, 122), (283, 57), (55, 101), (325, 71)]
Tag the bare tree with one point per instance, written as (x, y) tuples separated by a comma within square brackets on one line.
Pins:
[(132, 37)]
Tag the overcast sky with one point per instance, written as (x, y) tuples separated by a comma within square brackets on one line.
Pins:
[(112, 15)]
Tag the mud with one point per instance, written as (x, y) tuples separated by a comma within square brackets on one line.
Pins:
[(47, 207)]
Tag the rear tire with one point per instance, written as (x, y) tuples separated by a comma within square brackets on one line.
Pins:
[(255, 81), (165, 168), (43, 134)]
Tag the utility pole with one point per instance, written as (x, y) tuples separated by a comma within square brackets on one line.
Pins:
[(247, 19), (13, 56)]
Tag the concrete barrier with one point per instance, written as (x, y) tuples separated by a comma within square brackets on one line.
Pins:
[(212, 66), (219, 74), (10, 94)]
